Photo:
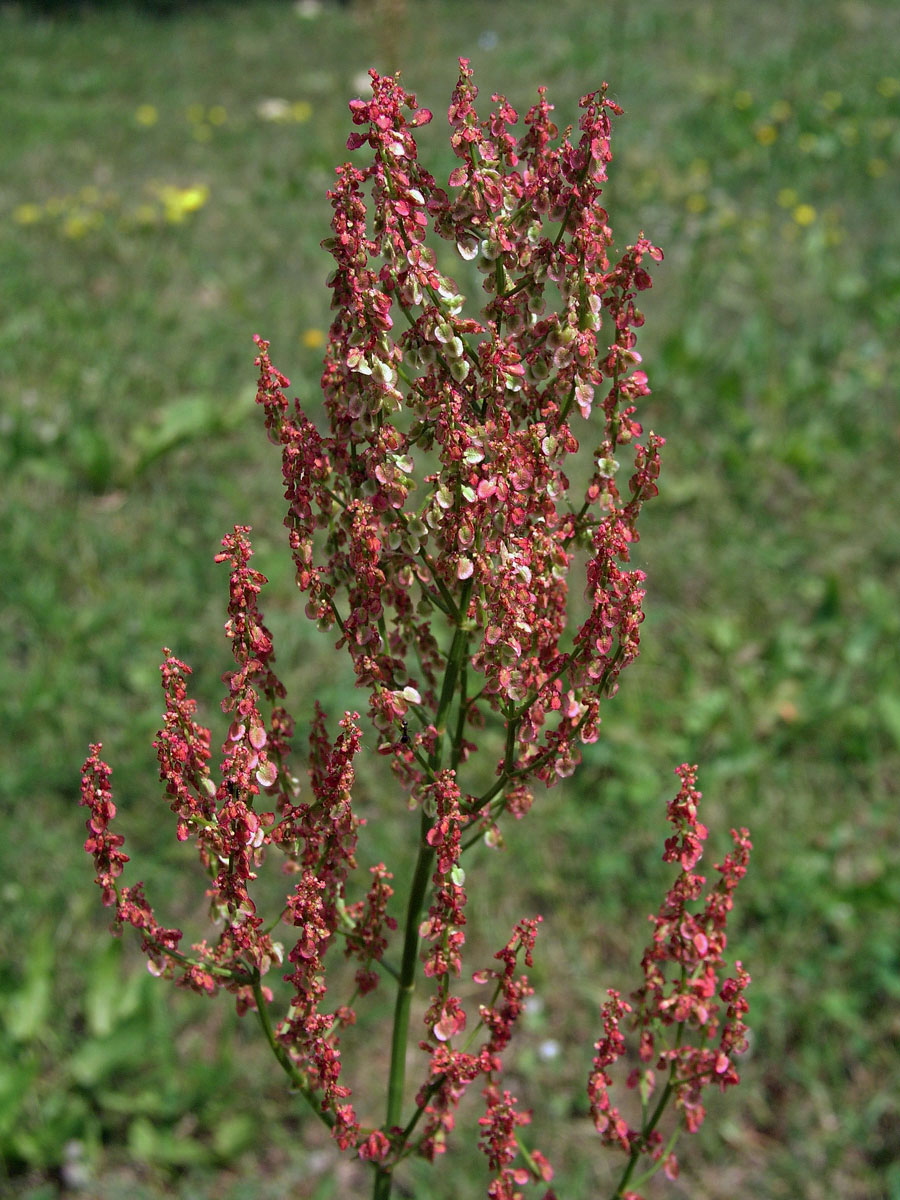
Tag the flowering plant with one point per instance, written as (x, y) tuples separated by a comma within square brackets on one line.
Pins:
[(434, 529)]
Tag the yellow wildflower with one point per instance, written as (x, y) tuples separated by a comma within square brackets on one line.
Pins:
[(27, 214), (696, 202)]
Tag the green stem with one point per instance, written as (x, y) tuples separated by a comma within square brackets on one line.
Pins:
[(435, 1085), (417, 890), (645, 1132), (455, 658), (406, 985), (405, 989), (449, 605), (461, 714), (213, 968), (381, 963), (296, 1076), (651, 1171), (383, 1182), (647, 1128)]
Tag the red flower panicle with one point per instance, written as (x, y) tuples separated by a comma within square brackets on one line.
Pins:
[(433, 529), (689, 1014), (109, 860), (370, 922), (103, 845), (451, 1071), (440, 490)]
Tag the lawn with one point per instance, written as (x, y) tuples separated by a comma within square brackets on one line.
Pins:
[(162, 199)]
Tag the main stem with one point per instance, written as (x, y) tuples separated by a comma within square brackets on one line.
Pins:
[(405, 988), (420, 881)]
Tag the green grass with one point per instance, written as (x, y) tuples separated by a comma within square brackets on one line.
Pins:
[(760, 147)]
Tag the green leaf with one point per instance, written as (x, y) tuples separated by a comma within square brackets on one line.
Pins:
[(111, 996), (235, 1134), (99, 1059), (889, 710), (15, 1081), (26, 1011), (151, 1143), (184, 420)]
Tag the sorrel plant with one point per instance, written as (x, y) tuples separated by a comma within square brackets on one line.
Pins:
[(434, 529)]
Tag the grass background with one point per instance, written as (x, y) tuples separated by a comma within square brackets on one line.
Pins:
[(154, 214)]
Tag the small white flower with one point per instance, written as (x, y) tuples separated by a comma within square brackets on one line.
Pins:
[(273, 109)]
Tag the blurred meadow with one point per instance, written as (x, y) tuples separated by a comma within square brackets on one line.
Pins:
[(162, 198)]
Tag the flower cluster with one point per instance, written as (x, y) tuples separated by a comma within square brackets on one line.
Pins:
[(474, 413), (452, 1071), (498, 1141), (318, 838), (444, 925), (435, 530), (678, 1009)]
